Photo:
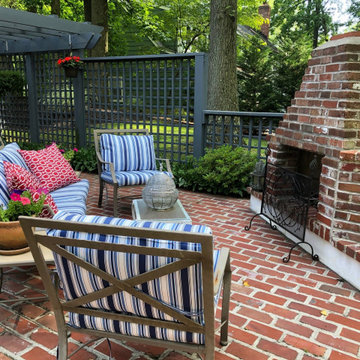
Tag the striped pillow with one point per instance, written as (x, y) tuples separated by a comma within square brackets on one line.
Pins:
[(128, 152)]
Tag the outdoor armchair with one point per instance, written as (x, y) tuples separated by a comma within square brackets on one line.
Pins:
[(154, 283), (125, 157)]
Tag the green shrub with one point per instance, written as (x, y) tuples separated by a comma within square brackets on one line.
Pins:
[(30, 146), (223, 171), (84, 160), (185, 175), (11, 82)]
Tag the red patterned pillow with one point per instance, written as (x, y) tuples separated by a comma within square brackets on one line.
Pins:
[(18, 178), (50, 167)]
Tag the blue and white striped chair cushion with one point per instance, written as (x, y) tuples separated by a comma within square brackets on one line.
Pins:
[(181, 290), (72, 198), (124, 178), (128, 152), (4, 192), (10, 154)]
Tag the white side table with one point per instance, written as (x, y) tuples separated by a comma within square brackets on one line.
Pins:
[(140, 211)]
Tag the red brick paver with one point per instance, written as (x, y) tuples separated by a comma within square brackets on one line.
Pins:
[(295, 311)]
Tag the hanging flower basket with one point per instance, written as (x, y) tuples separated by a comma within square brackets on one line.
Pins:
[(71, 65)]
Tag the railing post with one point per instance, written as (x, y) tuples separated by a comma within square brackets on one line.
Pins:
[(200, 102), (30, 71), (79, 109)]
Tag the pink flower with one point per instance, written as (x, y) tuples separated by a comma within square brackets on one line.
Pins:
[(76, 149), (15, 197), (62, 150), (25, 200)]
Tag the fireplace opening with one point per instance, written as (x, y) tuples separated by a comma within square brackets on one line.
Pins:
[(309, 164)]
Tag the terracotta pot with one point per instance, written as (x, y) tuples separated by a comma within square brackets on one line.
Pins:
[(12, 238)]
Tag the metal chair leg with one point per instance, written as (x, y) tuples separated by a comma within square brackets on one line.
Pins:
[(115, 200), (225, 304), (101, 191)]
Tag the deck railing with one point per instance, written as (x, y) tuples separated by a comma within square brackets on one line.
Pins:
[(245, 129)]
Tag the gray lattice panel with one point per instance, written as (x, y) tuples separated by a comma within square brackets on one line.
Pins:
[(158, 94), (239, 129)]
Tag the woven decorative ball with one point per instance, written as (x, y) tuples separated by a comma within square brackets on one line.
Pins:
[(160, 193)]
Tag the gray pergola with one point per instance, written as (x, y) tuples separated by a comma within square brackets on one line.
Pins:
[(28, 34), (25, 32)]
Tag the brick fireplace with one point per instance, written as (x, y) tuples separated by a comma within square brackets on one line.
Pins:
[(322, 128)]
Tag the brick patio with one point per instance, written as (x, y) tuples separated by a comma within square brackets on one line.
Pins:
[(296, 311)]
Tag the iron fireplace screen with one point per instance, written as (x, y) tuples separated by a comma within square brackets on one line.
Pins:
[(286, 199)]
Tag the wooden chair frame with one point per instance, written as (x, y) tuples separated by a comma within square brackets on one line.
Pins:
[(2, 144), (101, 162), (211, 281)]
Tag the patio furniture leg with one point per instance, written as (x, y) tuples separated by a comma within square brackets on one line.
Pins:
[(63, 345), (225, 304), (209, 353), (115, 199), (101, 191)]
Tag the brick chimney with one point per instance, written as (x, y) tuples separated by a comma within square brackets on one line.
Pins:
[(264, 11), (324, 119)]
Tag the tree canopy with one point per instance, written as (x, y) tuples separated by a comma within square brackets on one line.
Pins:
[(268, 72)]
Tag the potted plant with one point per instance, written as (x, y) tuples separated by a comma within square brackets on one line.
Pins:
[(71, 65), (28, 203)]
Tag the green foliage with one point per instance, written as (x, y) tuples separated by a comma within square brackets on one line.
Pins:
[(11, 82), (225, 171), (22, 203), (255, 77), (84, 159), (289, 63), (268, 77), (185, 175), (303, 19), (30, 146)]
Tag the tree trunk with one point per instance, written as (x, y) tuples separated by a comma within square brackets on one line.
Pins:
[(55, 7), (316, 24), (87, 10), (222, 85), (99, 16)]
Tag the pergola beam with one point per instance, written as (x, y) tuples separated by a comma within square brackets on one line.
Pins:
[(25, 32), (49, 43)]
